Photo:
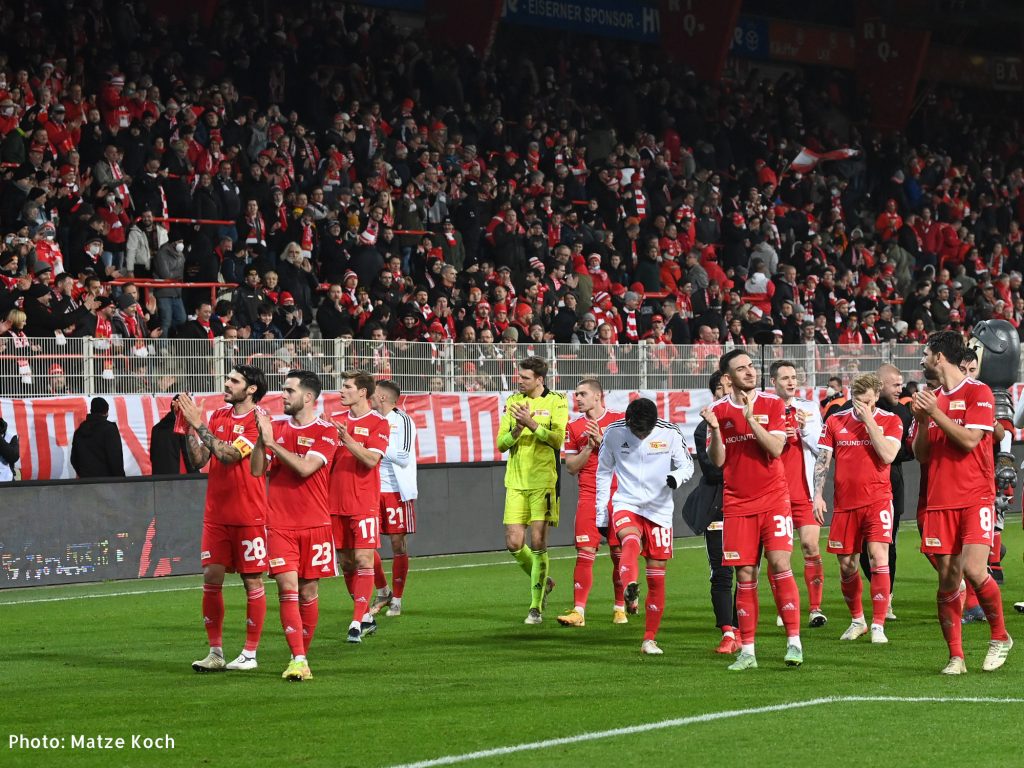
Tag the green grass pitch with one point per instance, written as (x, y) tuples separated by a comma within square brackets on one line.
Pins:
[(459, 672)]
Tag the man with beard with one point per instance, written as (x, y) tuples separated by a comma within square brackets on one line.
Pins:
[(747, 437), (235, 513), (298, 453), (954, 437)]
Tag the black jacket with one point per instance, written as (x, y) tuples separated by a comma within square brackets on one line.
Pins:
[(96, 448), (704, 504), (906, 453), (167, 449)]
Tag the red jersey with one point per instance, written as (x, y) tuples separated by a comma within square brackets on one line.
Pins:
[(955, 478), (576, 440), (754, 481), (294, 501), (355, 487), (233, 495), (793, 460), (862, 478)]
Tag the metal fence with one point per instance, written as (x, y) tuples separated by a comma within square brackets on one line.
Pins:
[(47, 366)]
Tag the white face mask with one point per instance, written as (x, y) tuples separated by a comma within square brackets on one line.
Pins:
[(179, 247), (95, 250)]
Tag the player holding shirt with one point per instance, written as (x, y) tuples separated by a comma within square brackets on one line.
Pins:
[(649, 460), (299, 453), (582, 444), (865, 441), (747, 434), (235, 512), (803, 430), (397, 497), (355, 494), (954, 436)]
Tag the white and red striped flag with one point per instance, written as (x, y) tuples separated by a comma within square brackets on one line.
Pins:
[(808, 158)]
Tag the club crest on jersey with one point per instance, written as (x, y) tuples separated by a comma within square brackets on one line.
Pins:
[(363, 431), (658, 445), (958, 405), (541, 413), (835, 544), (306, 441), (762, 418), (276, 562), (931, 541), (238, 429), (729, 555)]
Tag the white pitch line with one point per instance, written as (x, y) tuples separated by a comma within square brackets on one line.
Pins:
[(694, 720), (157, 591)]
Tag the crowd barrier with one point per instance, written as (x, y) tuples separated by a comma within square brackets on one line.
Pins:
[(87, 366)]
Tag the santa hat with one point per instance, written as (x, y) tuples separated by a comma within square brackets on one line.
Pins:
[(436, 327), (500, 307), (594, 257), (349, 273), (56, 370), (482, 305), (286, 299)]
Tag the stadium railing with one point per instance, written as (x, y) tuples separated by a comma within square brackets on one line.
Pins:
[(88, 366)]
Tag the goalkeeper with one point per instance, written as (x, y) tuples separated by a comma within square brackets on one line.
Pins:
[(532, 431)]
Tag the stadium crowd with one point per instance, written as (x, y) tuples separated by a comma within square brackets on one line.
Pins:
[(370, 185)]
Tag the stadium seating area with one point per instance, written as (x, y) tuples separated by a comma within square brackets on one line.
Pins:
[(342, 177)]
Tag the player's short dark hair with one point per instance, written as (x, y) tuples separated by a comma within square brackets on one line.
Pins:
[(538, 366), (970, 356), (715, 381), (391, 387), (726, 360), (362, 380), (774, 370), (593, 382), (641, 416), (254, 377), (308, 380), (949, 344)]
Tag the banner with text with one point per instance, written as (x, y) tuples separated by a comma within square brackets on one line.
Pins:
[(451, 428), (699, 32), (605, 18)]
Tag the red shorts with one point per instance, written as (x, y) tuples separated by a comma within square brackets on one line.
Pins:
[(945, 531), (743, 537), (656, 540), (802, 513), (850, 528), (307, 551), (396, 516), (352, 532), (239, 548), (587, 533)]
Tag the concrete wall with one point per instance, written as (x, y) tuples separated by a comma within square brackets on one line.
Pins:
[(70, 531)]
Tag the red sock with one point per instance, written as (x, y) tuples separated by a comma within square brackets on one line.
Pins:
[(995, 555), (991, 599), (787, 601), (655, 601), (852, 589), (363, 591), (380, 581), (629, 568), (746, 610), (291, 621), (971, 601), (399, 573), (213, 614), (582, 578), (880, 587), (350, 578), (310, 613), (950, 614), (617, 586), (814, 578), (255, 613)]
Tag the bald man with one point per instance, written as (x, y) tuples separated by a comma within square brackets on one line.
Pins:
[(889, 400)]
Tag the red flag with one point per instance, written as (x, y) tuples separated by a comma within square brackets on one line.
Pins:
[(808, 158)]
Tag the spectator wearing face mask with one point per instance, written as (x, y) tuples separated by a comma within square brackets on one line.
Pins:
[(169, 264)]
